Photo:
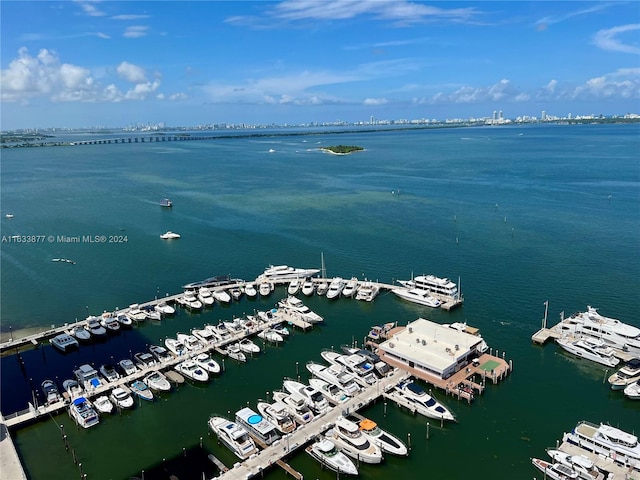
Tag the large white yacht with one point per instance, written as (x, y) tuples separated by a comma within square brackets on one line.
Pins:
[(351, 287), (610, 330), (257, 425), (431, 283), (632, 390), (629, 373), (591, 349), (367, 291), (424, 403), (386, 441), (326, 452), (606, 440), (335, 375), (83, 413), (418, 295), (314, 398), (278, 414), (286, 273), (296, 305), (233, 436), (335, 288), (348, 438), (296, 405)]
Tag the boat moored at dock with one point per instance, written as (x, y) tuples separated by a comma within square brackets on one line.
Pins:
[(326, 452), (423, 403), (628, 374), (234, 436), (386, 441), (121, 398), (64, 342), (83, 413), (348, 438), (282, 273), (257, 425), (431, 283), (591, 349), (278, 414)]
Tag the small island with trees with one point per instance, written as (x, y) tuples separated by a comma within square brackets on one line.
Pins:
[(341, 149)]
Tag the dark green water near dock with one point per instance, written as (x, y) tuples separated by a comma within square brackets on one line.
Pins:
[(521, 214)]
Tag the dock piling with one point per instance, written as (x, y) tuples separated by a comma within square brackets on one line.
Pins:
[(427, 430)]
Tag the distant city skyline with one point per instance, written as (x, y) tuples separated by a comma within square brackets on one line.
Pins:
[(81, 63)]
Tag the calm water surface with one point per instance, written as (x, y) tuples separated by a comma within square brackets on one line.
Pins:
[(520, 214)]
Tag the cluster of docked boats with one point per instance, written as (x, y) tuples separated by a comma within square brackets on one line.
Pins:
[(593, 448), (598, 338), (298, 404), (627, 379)]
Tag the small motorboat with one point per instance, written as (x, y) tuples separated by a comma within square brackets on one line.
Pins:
[(294, 286), (205, 361), (236, 293), (81, 333), (109, 372), (221, 296), (64, 342), (190, 341), (165, 202), (204, 334), (142, 390), (281, 329), (250, 290), (121, 398), (151, 313), (308, 287), (170, 235), (127, 367), (111, 324), (144, 360), (326, 452), (102, 404), (51, 392), (271, 336), (94, 327), (175, 346), (247, 346), (160, 353), (157, 382), (193, 371), (234, 351), (265, 289), (124, 320), (165, 309), (322, 288), (83, 413), (72, 387)]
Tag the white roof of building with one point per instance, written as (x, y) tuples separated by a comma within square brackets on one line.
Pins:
[(430, 344)]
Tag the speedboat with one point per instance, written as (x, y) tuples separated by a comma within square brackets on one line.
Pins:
[(580, 463), (72, 387), (221, 296), (110, 323), (308, 287), (87, 377), (144, 360), (286, 273), (381, 368), (257, 425), (281, 329), (220, 331), (136, 313), (632, 390), (418, 295), (425, 404), (234, 351), (265, 288), (165, 309), (165, 202), (169, 235), (555, 471), (151, 313), (591, 349), (348, 438), (270, 336), (326, 452), (81, 333), (193, 371), (294, 286), (356, 364), (157, 382), (51, 392), (109, 372), (204, 295), (386, 441), (160, 353), (234, 436), (142, 390), (121, 398), (83, 413), (94, 327), (350, 288), (190, 301), (367, 291), (330, 391), (278, 414), (628, 374), (313, 396), (64, 342), (297, 406), (335, 375), (431, 283), (102, 404), (190, 341), (205, 361), (606, 440), (175, 346), (247, 346), (204, 334), (124, 320), (127, 367), (250, 290), (295, 305), (322, 288), (335, 288)]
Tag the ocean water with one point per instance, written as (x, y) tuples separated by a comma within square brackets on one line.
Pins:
[(521, 215)]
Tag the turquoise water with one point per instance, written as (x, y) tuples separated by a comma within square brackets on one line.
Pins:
[(520, 214)]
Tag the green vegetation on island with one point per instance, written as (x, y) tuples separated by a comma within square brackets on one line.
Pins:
[(343, 149)]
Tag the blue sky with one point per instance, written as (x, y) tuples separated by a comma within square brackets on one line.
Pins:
[(107, 63)]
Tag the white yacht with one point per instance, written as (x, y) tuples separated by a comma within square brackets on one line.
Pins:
[(326, 452), (433, 284), (348, 438), (265, 288), (204, 334), (234, 351), (193, 371), (164, 308), (205, 296), (83, 413), (591, 349), (367, 291), (425, 404), (144, 360), (613, 332), (314, 397), (628, 374), (335, 288), (160, 353), (387, 442), (418, 295), (220, 331), (294, 286), (121, 398), (297, 406), (109, 372), (175, 346), (271, 336), (632, 390), (94, 327), (205, 361), (308, 287), (296, 306), (286, 273), (110, 323), (234, 436), (221, 296), (88, 377), (257, 425), (81, 333), (330, 391), (248, 346), (250, 290), (127, 366), (64, 342), (136, 313), (606, 440), (278, 414), (51, 392), (335, 375), (72, 387), (190, 301), (157, 382), (169, 235), (359, 366), (322, 287), (191, 342), (102, 404), (141, 390), (124, 320), (580, 463), (555, 471), (350, 288)]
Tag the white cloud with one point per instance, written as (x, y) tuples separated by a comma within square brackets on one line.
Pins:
[(543, 23), (136, 31), (607, 39), (132, 73), (89, 8), (623, 83), (375, 101), (174, 97), (129, 17)]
